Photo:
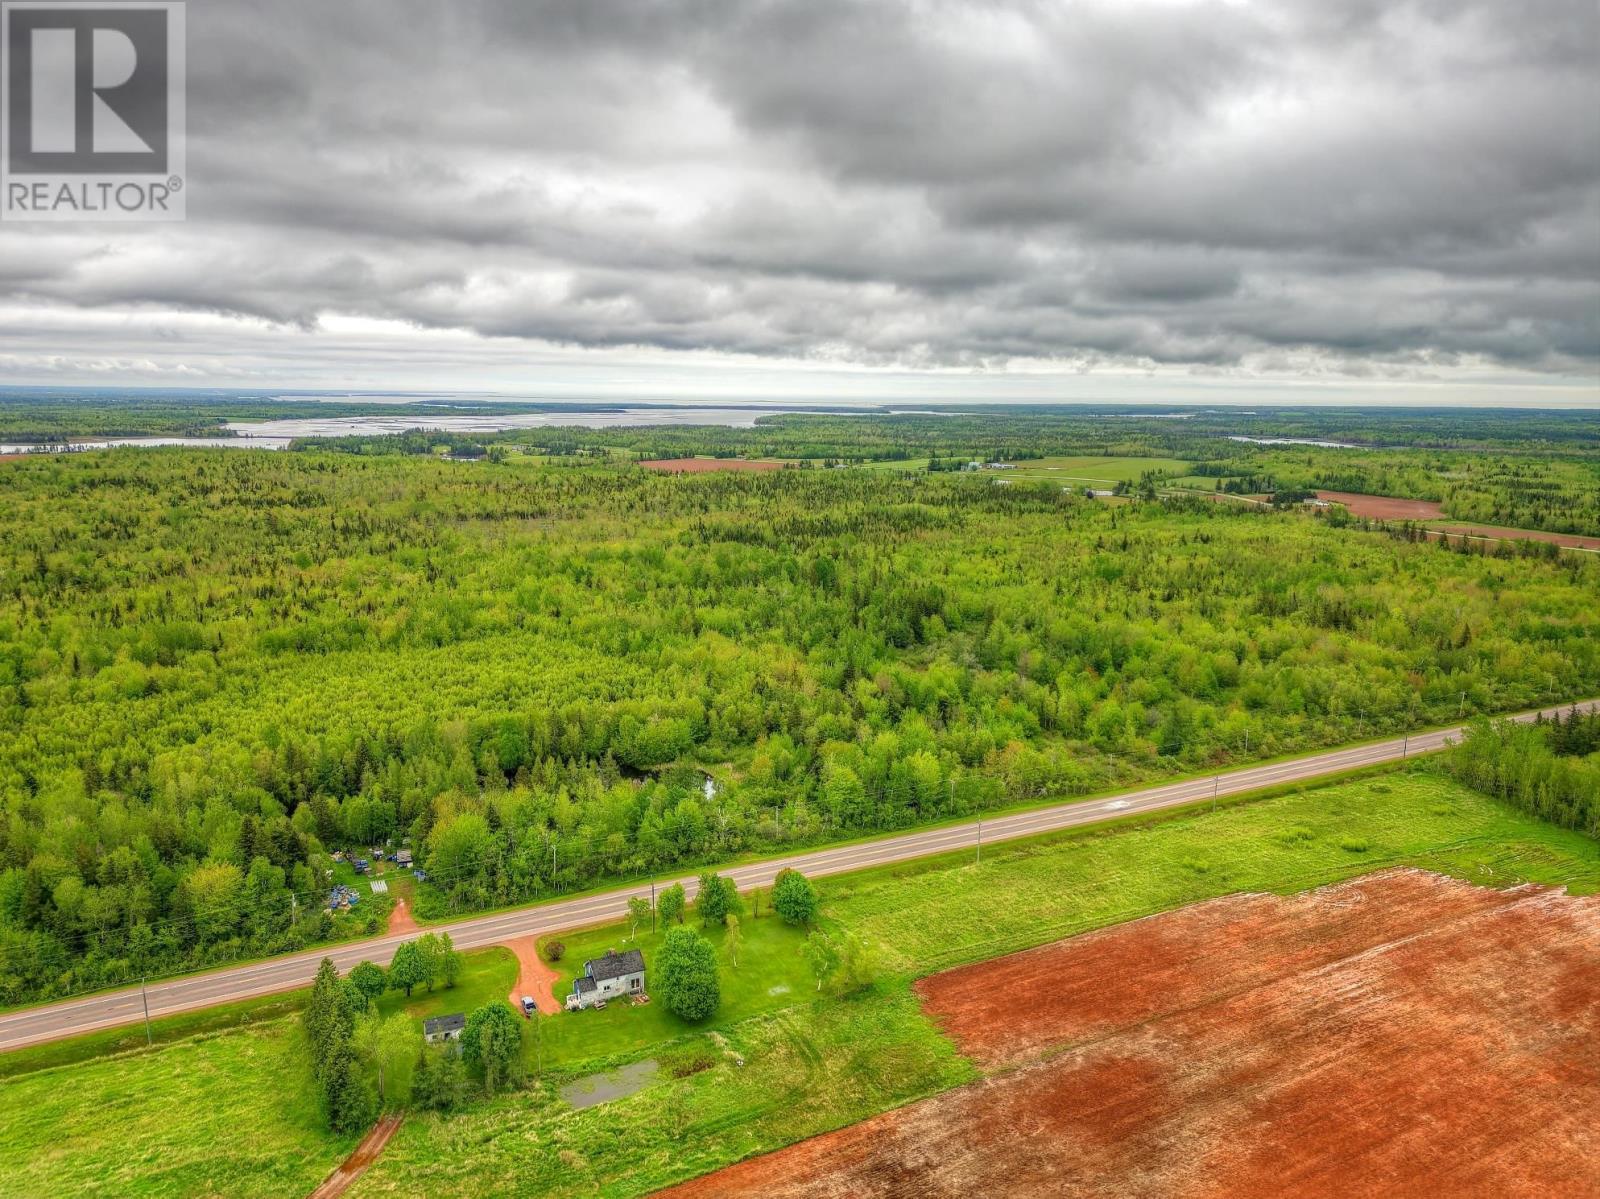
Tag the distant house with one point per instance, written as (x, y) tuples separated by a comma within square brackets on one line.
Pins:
[(607, 977), (403, 858), (444, 1028)]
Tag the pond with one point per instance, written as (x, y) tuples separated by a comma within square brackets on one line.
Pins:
[(612, 1084)]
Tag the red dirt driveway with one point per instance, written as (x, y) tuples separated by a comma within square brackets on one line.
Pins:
[(1398, 1035), (535, 977), (401, 921)]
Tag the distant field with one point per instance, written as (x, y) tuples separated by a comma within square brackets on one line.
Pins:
[(1496, 533), (904, 464), (700, 466), (1380, 507), (1383, 507), (1091, 470)]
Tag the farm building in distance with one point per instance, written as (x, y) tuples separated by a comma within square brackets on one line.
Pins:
[(607, 977)]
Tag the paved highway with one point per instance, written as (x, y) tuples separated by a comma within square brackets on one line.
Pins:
[(109, 1009)]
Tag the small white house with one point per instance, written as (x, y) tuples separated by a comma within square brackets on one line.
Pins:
[(606, 978)]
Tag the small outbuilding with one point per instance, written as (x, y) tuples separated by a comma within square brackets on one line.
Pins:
[(444, 1028), (607, 977)]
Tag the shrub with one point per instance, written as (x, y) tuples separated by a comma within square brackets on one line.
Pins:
[(794, 898), (369, 980), (440, 1080), (669, 905), (554, 951), (717, 899)]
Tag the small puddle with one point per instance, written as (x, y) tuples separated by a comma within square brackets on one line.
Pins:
[(613, 1084)]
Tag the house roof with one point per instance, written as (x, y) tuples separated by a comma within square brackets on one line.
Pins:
[(583, 984), (614, 965), (450, 1023)]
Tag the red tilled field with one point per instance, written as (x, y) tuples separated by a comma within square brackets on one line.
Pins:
[(697, 466), (1401, 1034), (1383, 507), (1496, 533)]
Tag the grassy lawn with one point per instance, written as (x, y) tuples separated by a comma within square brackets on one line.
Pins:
[(487, 975), (771, 974), (231, 1114)]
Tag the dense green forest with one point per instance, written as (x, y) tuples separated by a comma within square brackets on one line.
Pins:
[(1549, 768), (1556, 489), (217, 666)]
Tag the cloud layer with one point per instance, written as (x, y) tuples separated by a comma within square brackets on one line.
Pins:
[(1307, 187)]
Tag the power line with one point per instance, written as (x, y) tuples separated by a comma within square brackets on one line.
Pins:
[(191, 922)]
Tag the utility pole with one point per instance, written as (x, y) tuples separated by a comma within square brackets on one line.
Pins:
[(980, 840), (1216, 783), (149, 1037), (1404, 746), (652, 908), (1463, 710)]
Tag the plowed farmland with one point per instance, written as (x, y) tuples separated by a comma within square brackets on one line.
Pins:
[(1383, 507), (1400, 1034)]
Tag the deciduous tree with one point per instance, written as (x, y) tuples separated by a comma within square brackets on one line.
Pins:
[(686, 974)]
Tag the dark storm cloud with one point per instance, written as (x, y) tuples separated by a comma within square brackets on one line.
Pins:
[(1355, 184)]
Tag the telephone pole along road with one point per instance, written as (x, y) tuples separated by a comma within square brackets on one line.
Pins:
[(110, 1009)]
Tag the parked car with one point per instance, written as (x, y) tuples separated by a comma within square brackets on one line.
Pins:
[(528, 1005)]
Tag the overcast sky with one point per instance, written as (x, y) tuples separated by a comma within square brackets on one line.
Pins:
[(1125, 199)]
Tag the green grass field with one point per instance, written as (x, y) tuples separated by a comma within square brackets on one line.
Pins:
[(231, 1113), (1090, 471)]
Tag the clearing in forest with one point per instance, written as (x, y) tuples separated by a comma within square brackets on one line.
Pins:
[(1401, 1033), (699, 466), (1383, 507), (1093, 469)]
